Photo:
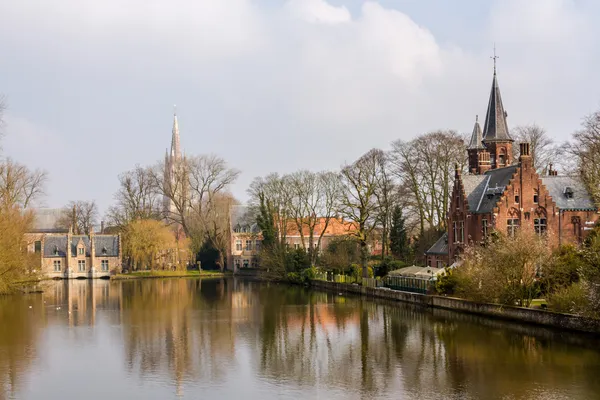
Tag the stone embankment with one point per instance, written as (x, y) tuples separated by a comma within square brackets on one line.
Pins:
[(519, 314)]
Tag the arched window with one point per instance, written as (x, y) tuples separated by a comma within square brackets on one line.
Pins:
[(502, 157)]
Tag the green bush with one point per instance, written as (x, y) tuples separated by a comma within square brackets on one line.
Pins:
[(356, 272), (388, 265), (309, 274), (571, 299), (446, 283), (294, 277)]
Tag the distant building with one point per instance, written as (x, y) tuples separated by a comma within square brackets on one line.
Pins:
[(64, 255), (499, 195), (246, 238)]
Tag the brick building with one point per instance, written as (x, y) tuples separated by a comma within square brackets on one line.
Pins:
[(246, 237), (498, 195)]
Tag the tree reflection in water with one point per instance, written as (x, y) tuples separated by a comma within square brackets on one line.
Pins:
[(191, 332)]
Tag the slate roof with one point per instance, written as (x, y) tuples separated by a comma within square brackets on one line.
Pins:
[(106, 245), (495, 128), (557, 186), (476, 142), (243, 219), (440, 247), (45, 220), (484, 191)]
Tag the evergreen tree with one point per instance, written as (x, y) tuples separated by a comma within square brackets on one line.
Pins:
[(266, 224), (398, 239)]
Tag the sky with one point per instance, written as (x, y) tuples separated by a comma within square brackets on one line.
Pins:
[(276, 85)]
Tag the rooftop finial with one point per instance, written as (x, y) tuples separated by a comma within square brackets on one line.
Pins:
[(175, 109), (495, 57), (477, 118)]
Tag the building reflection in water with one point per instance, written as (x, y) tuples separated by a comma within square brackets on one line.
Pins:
[(190, 331)]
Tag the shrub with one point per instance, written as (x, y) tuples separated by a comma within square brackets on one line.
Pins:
[(309, 274), (356, 272), (571, 299), (446, 283), (388, 265), (294, 277)]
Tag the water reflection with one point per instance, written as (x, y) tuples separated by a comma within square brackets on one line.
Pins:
[(231, 337)]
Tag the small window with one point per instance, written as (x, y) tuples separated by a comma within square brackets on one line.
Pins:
[(57, 267), (535, 196), (257, 245), (501, 160), (512, 225), (238, 245), (81, 251), (246, 263), (254, 263), (81, 265), (297, 246), (517, 198), (104, 265), (462, 231), (539, 224), (484, 227), (248, 245), (38, 246), (55, 250)]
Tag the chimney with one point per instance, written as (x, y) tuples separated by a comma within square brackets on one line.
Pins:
[(101, 227), (525, 158), (551, 170)]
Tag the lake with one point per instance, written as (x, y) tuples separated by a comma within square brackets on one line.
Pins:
[(243, 339)]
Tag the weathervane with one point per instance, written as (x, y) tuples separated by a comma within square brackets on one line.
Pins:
[(495, 57)]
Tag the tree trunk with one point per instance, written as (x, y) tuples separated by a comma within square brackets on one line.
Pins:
[(221, 261), (364, 254)]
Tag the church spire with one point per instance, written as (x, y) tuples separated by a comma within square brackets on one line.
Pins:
[(175, 146), (476, 137), (495, 128)]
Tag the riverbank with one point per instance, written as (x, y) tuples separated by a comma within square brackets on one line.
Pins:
[(170, 274), (518, 314)]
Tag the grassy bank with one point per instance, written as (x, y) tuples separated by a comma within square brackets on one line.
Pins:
[(170, 274)]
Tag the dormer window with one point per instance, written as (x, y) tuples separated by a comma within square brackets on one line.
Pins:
[(80, 251), (55, 250), (104, 250), (569, 192)]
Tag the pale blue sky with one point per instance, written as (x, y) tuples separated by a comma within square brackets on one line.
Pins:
[(276, 85)]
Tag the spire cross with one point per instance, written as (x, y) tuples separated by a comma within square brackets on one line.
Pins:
[(495, 57)]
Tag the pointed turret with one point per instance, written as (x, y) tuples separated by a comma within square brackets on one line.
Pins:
[(175, 147), (476, 137), (495, 128)]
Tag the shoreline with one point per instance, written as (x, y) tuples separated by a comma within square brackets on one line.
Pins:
[(541, 318), (169, 274)]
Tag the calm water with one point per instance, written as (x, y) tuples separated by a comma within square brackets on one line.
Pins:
[(236, 339)]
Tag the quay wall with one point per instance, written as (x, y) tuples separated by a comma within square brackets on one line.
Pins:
[(519, 314)]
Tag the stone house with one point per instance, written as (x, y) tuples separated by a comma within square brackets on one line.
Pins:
[(64, 255), (498, 195)]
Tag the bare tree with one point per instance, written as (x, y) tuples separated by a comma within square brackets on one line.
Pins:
[(137, 198), (585, 149), (543, 149), (313, 203), (196, 188), (80, 215), (386, 201), (424, 168), (359, 203), (20, 186)]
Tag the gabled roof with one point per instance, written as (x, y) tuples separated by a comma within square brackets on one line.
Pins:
[(580, 198), (476, 142), (440, 247), (495, 128), (484, 191)]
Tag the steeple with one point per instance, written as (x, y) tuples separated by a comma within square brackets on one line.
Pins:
[(495, 128), (175, 147), (476, 137)]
